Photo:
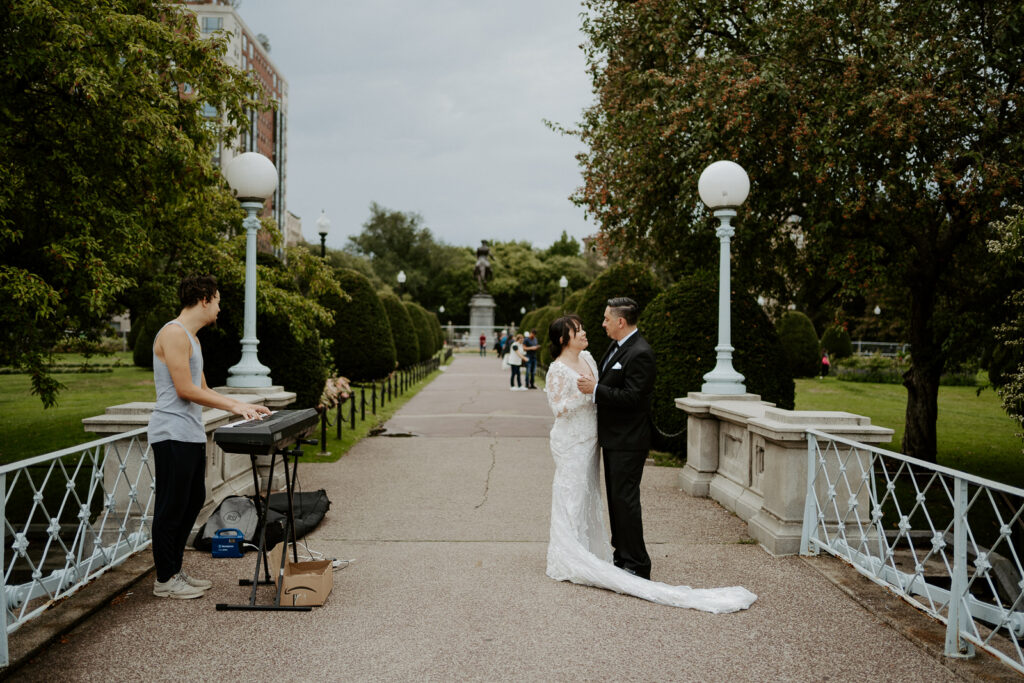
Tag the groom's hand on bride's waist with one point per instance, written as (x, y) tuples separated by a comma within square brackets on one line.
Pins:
[(586, 385)]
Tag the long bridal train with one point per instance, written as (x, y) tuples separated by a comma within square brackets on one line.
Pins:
[(578, 550)]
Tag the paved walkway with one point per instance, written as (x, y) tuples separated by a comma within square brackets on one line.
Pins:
[(448, 530)]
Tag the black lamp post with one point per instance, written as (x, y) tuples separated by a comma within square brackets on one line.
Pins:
[(563, 283), (323, 224)]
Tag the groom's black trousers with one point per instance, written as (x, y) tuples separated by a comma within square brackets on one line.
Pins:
[(622, 473)]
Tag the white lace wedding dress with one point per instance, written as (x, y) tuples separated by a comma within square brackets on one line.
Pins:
[(579, 550)]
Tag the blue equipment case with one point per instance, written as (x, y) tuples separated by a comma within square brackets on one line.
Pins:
[(227, 543)]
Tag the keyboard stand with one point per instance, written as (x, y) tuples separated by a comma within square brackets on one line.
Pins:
[(289, 536)]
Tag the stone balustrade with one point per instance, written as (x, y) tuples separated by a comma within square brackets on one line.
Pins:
[(751, 457)]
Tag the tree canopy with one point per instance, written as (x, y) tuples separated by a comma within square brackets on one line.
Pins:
[(880, 139), (106, 163)]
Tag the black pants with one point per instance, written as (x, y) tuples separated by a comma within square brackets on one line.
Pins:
[(622, 473), (180, 494)]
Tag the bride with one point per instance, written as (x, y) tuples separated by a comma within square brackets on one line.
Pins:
[(579, 550)]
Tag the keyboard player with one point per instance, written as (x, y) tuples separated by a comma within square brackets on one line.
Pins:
[(178, 437)]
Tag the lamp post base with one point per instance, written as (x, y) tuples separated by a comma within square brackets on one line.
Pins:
[(249, 373), (723, 380)]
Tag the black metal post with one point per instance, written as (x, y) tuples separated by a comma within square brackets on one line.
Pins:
[(323, 431), (352, 410), (373, 393), (323, 245), (341, 417), (362, 404)]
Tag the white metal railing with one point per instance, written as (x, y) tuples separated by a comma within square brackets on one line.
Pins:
[(946, 541), (69, 516)]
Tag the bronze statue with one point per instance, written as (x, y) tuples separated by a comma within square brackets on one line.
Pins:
[(482, 270)]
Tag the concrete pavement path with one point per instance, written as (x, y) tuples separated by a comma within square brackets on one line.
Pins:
[(448, 529)]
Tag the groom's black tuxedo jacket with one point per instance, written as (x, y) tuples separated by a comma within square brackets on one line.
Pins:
[(623, 396)]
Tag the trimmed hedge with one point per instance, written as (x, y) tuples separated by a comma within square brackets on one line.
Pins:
[(623, 279), (796, 331), (435, 326), (681, 325), (407, 342), (142, 351), (545, 316), (421, 323), (836, 341), (574, 302), (361, 339)]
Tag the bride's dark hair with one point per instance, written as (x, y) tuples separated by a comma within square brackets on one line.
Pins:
[(558, 332)]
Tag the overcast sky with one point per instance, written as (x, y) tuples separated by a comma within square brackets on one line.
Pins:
[(431, 107)]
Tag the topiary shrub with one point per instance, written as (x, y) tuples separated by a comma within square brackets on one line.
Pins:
[(142, 351), (545, 316), (681, 325), (421, 324), (407, 342), (297, 365), (361, 339), (836, 341), (623, 279), (796, 332), (435, 327), (574, 301)]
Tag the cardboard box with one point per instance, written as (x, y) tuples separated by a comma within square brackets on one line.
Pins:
[(305, 583)]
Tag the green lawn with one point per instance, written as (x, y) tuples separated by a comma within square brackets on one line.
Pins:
[(27, 429), (974, 433)]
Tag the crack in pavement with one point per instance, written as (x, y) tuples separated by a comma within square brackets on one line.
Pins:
[(487, 482)]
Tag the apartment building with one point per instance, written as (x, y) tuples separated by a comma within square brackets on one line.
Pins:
[(268, 132)]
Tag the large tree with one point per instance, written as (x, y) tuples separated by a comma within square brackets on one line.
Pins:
[(106, 174), (880, 138)]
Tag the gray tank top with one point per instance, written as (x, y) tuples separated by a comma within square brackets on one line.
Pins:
[(175, 418)]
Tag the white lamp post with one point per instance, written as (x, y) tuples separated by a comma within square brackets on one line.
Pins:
[(253, 178), (723, 186), (563, 283), (323, 224), (441, 309)]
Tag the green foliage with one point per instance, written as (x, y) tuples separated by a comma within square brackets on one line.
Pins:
[(407, 341), (879, 369), (563, 246), (574, 302), (796, 332), (435, 326), (361, 341), (1008, 250), (681, 325), (836, 341), (424, 331), (296, 364), (544, 317), (142, 351), (623, 279), (108, 179), (879, 153)]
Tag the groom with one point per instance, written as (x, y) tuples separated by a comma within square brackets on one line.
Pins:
[(623, 396)]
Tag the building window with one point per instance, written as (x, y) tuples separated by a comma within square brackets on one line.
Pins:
[(211, 24), (209, 111)]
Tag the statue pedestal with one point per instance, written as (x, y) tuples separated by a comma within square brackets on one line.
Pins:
[(481, 316)]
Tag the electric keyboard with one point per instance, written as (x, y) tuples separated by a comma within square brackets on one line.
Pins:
[(274, 432)]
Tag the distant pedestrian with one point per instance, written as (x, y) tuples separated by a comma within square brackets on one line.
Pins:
[(499, 343), (483, 344), (825, 365), (532, 346), (516, 358)]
